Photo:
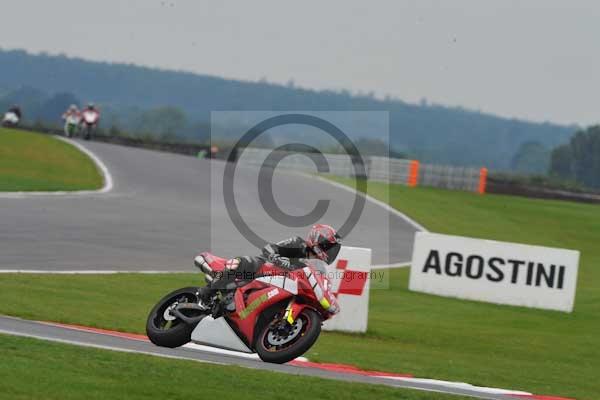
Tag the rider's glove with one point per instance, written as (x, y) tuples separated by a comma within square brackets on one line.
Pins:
[(282, 262)]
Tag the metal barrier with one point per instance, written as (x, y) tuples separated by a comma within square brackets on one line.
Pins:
[(189, 149), (381, 169), (449, 177)]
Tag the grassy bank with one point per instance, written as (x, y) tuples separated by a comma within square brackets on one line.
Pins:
[(38, 369), (35, 162), (541, 351)]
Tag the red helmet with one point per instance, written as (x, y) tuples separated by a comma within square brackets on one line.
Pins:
[(324, 242)]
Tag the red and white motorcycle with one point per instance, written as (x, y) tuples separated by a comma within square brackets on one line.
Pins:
[(90, 119), (278, 314)]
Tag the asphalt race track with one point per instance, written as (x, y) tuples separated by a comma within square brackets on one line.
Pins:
[(165, 208), (32, 329)]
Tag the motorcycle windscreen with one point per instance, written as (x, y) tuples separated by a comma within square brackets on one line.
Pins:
[(332, 252), (89, 117)]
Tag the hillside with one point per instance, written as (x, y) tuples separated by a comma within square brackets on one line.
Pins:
[(430, 132)]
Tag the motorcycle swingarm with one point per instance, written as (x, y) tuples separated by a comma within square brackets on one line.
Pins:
[(176, 311)]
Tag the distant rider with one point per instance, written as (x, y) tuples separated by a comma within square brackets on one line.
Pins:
[(72, 119), (92, 109), (16, 110), (90, 118), (73, 110)]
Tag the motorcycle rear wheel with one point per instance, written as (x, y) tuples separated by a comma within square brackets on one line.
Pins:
[(271, 346), (172, 332)]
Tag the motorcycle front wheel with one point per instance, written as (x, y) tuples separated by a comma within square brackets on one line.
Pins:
[(164, 329), (278, 342)]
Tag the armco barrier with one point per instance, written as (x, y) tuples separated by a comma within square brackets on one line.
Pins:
[(382, 169), (189, 149), (449, 177)]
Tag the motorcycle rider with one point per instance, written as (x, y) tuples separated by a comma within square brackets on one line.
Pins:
[(72, 117), (90, 118), (12, 117), (16, 110), (72, 110), (91, 107), (323, 243)]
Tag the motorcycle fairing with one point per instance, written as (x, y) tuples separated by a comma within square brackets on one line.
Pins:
[(218, 333), (281, 281), (90, 117), (250, 302)]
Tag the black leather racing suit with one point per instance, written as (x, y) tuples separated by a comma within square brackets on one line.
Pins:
[(294, 249)]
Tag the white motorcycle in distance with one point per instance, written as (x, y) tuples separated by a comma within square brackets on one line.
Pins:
[(10, 119), (72, 122), (90, 120)]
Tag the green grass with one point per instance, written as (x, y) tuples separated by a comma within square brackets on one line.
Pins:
[(36, 162), (120, 302), (35, 369), (534, 350)]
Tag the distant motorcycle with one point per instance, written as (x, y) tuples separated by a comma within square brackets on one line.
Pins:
[(72, 122), (90, 120), (10, 119)]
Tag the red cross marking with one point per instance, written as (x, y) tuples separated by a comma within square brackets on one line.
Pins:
[(351, 282)]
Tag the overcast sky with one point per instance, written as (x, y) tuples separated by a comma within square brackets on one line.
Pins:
[(538, 60)]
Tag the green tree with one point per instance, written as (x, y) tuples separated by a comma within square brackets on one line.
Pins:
[(372, 147), (580, 159), (560, 162), (532, 157), (53, 108), (163, 121)]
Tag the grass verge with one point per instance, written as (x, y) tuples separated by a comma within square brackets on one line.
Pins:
[(33, 368), (35, 162)]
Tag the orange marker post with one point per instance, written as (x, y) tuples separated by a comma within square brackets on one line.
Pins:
[(413, 173), (483, 172)]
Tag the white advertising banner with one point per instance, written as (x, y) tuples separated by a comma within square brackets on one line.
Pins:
[(495, 272), (350, 277)]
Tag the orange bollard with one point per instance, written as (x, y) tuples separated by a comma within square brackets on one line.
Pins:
[(413, 173), (483, 172)]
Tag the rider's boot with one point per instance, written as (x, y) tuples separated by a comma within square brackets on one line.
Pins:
[(205, 294), (223, 287)]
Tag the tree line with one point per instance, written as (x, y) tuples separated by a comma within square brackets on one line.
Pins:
[(579, 160), (427, 131)]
